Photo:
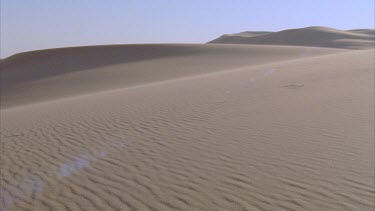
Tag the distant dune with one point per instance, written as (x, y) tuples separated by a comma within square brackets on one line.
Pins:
[(248, 34), (310, 36), (192, 127)]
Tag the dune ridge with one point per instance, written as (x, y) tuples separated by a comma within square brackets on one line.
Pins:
[(310, 36), (57, 73)]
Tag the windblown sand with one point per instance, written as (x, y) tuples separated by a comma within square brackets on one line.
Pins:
[(223, 127)]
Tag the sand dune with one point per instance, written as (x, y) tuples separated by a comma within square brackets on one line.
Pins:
[(363, 31), (292, 135), (310, 36), (249, 33), (190, 127), (50, 74)]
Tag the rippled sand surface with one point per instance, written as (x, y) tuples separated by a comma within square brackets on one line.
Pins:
[(291, 134)]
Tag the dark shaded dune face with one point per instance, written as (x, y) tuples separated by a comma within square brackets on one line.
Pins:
[(51, 74), (310, 36), (39, 64), (354, 43)]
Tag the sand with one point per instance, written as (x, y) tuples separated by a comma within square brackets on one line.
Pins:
[(51, 74), (315, 36), (197, 127)]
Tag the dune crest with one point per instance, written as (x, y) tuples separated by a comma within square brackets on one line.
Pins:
[(37, 76), (315, 36)]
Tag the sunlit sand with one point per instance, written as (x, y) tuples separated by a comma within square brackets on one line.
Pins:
[(259, 126)]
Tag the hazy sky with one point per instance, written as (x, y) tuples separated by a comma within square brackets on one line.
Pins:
[(38, 24)]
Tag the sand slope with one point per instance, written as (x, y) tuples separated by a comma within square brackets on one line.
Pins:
[(309, 36), (363, 31), (56, 73), (249, 33), (294, 133)]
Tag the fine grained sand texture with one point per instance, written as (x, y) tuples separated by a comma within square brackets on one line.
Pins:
[(188, 127)]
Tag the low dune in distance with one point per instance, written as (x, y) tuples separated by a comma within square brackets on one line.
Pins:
[(309, 36), (189, 127)]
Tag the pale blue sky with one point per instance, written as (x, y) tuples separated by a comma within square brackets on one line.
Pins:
[(38, 24)]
